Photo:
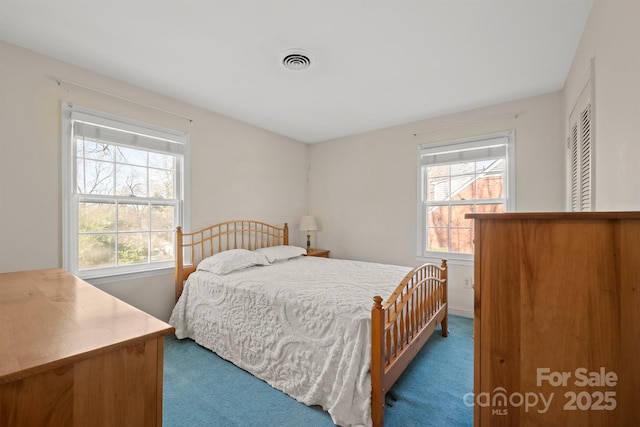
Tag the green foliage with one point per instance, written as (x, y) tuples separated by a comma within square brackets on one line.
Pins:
[(133, 251), (98, 230)]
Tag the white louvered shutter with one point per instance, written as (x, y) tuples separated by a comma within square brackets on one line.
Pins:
[(581, 160), (575, 172), (585, 159)]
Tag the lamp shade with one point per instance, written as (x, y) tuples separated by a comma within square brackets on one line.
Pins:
[(308, 223)]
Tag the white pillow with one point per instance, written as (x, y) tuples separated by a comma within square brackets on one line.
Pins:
[(232, 260), (281, 253)]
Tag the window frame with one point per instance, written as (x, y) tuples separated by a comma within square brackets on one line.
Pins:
[(71, 198), (462, 144)]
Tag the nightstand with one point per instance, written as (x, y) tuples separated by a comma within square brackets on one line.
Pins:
[(322, 253)]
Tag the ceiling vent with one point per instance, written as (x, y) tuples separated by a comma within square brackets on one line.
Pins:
[(296, 59)]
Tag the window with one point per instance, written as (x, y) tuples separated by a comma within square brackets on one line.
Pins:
[(124, 193), (460, 177)]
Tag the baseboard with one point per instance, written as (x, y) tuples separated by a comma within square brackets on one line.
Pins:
[(461, 312)]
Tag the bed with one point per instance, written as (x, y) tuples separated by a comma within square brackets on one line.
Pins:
[(303, 324)]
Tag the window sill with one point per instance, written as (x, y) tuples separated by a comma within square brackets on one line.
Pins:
[(452, 259), (126, 276)]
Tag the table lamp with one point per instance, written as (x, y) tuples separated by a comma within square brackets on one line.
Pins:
[(308, 224)]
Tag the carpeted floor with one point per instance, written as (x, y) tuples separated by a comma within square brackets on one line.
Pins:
[(201, 389)]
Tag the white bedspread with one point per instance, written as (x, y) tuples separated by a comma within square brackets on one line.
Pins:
[(303, 326)]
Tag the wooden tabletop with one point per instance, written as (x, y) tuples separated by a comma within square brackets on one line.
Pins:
[(557, 215), (50, 318)]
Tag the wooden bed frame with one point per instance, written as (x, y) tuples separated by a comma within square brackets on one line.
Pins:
[(399, 327)]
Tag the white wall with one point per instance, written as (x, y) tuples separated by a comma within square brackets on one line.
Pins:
[(612, 39), (363, 188), (237, 171)]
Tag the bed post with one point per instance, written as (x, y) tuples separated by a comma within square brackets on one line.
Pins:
[(445, 296), (377, 363), (179, 262), (286, 234)]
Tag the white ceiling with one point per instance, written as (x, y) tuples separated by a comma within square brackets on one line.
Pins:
[(375, 63)]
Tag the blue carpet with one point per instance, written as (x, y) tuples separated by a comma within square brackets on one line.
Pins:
[(201, 389)]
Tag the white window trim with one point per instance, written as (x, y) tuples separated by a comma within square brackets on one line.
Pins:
[(462, 144), (69, 198)]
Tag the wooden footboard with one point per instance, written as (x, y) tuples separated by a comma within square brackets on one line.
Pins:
[(402, 325)]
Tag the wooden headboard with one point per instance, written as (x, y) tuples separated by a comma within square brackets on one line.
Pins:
[(191, 248)]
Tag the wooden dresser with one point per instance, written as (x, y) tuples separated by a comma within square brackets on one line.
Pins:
[(557, 319), (72, 355)]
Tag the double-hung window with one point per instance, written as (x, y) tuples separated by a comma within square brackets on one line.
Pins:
[(459, 177), (124, 193)]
